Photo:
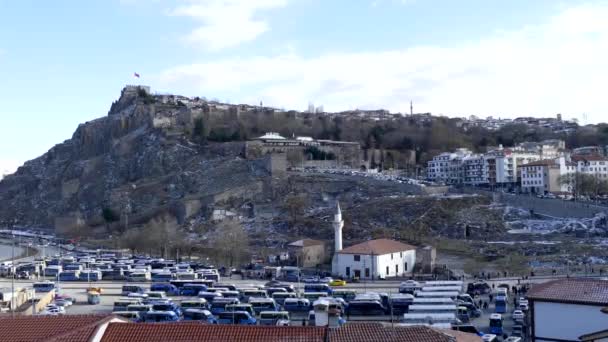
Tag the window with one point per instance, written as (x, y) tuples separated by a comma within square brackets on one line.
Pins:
[(396, 269), (348, 271), (387, 270), (391, 256), (367, 273), (401, 254), (405, 267), (357, 257)]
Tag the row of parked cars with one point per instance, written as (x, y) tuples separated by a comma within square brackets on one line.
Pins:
[(220, 303)]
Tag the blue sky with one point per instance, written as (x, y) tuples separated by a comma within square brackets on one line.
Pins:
[(63, 62)]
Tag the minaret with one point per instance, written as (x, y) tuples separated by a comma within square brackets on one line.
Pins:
[(338, 224)]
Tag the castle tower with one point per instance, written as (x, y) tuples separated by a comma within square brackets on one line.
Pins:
[(338, 224)]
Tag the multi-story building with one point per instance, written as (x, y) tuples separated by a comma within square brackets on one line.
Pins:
[(588, 150), (503, 166), (474, 170), (544, 176), (446, 166), (594, 165)]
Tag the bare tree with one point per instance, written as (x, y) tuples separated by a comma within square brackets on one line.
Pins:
[(231, 242)]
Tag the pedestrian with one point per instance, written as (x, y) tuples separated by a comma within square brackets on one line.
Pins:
[(491, 297)]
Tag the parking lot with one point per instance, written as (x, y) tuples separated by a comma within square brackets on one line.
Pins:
[(112, 291)]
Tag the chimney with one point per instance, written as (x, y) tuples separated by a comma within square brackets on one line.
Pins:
[(338, 225)]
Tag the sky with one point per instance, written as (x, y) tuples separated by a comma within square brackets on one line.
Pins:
[(63, 62)]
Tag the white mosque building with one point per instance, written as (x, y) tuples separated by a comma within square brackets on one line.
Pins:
[(374, 259)]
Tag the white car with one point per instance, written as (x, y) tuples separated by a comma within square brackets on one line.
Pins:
[(53, 310), (523, 306), (63, 302), (326, 280), (518, 315)]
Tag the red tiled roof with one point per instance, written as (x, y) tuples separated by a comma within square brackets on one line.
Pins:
[(377, 247), (191, 331), (64, 328), (461, 336), (576, 291), (365, 332), (591, 157)]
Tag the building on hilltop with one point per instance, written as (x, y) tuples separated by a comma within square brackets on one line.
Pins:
[(306, 151), (498, 167), (374, 259), (134, 89)]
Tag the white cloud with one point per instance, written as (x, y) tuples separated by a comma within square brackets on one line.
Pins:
[(226, 23), (555, 66)]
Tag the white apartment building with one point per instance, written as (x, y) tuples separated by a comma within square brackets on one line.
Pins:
[(446, 167), (543, 176), (503, 166), (594, 165)]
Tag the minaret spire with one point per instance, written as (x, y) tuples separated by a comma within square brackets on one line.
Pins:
[(338, 224)]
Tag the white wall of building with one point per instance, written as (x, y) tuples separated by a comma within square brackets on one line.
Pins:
[(533, 179), (567, 321), (376, 265), (595, 168)]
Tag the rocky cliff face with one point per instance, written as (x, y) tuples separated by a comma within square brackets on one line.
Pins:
[(130, 158)]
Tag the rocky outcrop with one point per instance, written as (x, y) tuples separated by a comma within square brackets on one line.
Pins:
[(124, 158)]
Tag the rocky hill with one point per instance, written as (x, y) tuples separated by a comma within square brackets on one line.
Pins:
[(134, 157), (166, 157)]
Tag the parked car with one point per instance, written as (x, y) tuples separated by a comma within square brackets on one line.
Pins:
[(52, 312), (63, 302), (517, 331), (518, 315), (310, 280), (337, 282)]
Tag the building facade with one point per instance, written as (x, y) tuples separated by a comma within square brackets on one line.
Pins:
[(301, 150), (308, 252), (593, 165), (498, 167), (375, 259), (565, 309), (545, 176)]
